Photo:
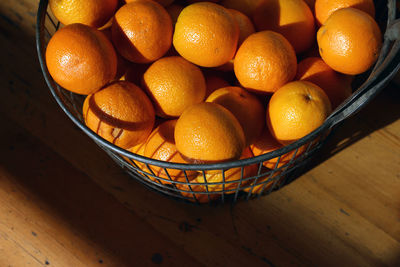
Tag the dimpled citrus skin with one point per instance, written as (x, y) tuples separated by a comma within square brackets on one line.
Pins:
[(337, 86), (160, 145), (81, 59), (264, 62), (206, 34), (89, 12), (142, 31), (246, 27), (349, 41), (121, 113), (324, 8), (244, 106), (208, 132), (291, 18), (295, 110), (174, 84)]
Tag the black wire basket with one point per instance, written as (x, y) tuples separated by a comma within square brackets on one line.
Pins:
[(239, 179)]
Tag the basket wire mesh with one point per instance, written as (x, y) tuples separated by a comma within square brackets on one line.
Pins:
[(240, 179)]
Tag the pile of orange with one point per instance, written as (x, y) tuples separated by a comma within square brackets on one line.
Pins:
[(210, 81)]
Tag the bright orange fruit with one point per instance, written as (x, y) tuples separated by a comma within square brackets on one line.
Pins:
[(206, 34), (208, 132), (297, 109), (145, 38), (121, 113), (174, 84), (81, 59), (265, 62), (349, 41)]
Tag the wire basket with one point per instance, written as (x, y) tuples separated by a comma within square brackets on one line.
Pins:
[(239, 179)]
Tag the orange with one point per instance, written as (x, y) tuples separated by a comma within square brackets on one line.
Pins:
[(292, 18), (324, 8), (81, 59), (206, 34), (161, 146), (246, 27), (231, 177), (142, 31), (174, 84), (121, 113), (174, 10), (214, 82), (208, 132), (297, 109), (337, 86), (349, 41), (266, 143), (244, 106), (264, 62), (247, 7), (89, 12)]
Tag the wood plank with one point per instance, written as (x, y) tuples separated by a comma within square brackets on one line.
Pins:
[(51, 212)]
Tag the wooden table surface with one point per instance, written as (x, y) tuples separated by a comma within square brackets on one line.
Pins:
[(63, 202)]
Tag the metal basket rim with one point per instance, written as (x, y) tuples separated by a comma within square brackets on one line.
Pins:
[(325, 127)]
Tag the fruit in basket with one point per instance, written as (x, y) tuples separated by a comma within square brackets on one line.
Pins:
[(291, 18), (337, 86), (121, 113), (206, 34), (266, 143), (265, 62), (174, 84), (244, 106), (89, 12), (142, 31), (246, 27), (81, 59), (297, 109), (324, 8), (208, 132), (349, 41), (160, 145), (231, 177)]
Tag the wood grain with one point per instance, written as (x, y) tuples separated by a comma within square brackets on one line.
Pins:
[(62, 199)]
